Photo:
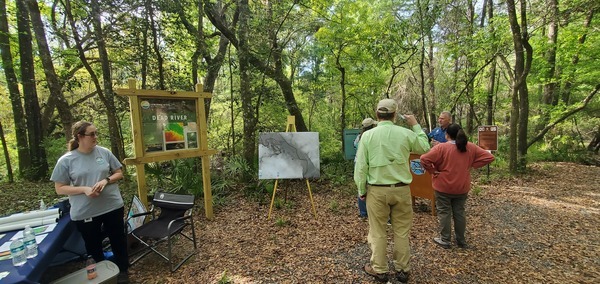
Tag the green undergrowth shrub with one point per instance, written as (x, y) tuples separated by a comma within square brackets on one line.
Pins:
[(337, 171)]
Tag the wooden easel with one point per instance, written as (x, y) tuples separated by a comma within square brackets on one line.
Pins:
[(291, 127)]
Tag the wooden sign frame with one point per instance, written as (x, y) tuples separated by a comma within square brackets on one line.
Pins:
[(142, 156)]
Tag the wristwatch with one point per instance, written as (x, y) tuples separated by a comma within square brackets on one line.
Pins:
[(107, 179)]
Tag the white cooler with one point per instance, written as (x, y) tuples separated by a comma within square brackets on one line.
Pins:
[(107, 274)]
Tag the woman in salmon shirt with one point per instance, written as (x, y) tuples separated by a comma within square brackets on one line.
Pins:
[(449, 164)]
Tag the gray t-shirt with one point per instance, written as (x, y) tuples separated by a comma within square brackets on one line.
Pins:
[(80, 169)]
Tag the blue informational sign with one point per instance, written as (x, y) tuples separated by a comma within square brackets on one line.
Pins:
[(416, 167), (349, 136)]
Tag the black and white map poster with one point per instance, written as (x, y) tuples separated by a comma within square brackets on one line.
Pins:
[(288, 155)]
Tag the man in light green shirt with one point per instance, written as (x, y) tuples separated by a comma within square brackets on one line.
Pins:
[(382, 175)]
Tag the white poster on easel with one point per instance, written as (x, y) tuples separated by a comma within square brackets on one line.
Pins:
[(288, 155)]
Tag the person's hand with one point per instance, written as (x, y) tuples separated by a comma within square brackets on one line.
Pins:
[(410, 119), (90, 192), (434, 142), (363, 197), (99, 186)]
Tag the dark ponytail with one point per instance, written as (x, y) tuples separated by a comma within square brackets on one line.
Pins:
[(457, 134)]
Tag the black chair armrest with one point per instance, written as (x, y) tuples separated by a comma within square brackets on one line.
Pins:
[(139, 214), (177, 219)]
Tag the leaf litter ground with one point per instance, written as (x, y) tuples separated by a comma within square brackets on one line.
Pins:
[(538, 228)]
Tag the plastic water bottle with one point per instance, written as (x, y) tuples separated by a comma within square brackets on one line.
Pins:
[(31, 246), (90, 266), (17, 252)]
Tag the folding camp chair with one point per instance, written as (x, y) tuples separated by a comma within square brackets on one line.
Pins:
[(174, 215)]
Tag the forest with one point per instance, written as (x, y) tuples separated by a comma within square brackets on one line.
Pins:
[(532, 68)]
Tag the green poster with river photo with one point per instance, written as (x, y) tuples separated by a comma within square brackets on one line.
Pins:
[(168, 124)]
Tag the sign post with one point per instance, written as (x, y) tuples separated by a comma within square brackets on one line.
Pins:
[(487, 139), (168, 125)]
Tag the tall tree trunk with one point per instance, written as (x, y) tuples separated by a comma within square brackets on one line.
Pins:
[(245, 84), (550, 86), (14, 93), (523, 58), (145, 50), (492, 81), (39, 165), (342, 70), (159, 59), (549, 95), (431, 79), (471, 72), (116, 141), (56, 99)]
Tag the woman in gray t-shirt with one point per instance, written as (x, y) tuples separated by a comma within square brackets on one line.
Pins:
[(88, 174)]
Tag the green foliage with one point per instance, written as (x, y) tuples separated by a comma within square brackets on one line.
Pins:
[(334, 206), (338, 171), (224, 278), (476, 190), (178, 176), (281, 222)]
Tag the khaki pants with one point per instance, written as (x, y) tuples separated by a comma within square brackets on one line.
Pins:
[(393, 203)]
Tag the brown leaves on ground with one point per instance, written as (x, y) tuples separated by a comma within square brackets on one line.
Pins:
[(538, 228)]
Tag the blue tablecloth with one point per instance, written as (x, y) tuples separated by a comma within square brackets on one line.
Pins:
[(49, 248)]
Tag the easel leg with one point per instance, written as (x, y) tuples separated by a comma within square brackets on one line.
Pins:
[(311, 199), (272, 199)]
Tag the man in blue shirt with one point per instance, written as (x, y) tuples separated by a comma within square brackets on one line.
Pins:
[(438, 135)]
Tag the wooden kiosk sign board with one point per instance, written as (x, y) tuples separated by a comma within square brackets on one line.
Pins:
[(168, 125), (487, 137)]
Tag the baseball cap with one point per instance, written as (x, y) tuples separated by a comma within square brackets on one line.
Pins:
[(387, 106), (368, 122)]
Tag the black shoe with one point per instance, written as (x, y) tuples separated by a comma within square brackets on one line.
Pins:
[(441, 242), (463, 246), (402, 276), (381, 277), (123, 278)]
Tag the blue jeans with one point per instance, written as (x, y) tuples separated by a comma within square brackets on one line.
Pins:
[(362, 207)]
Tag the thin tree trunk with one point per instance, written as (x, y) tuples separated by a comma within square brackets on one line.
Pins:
[(520, 99), (116, 141), (245, 84), (145, 52), (39, 165), (492, 81), (159, 59), (9, 171), (343, 89), (57, 99)]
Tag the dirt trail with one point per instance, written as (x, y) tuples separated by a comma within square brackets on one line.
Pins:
[(542, 228)]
